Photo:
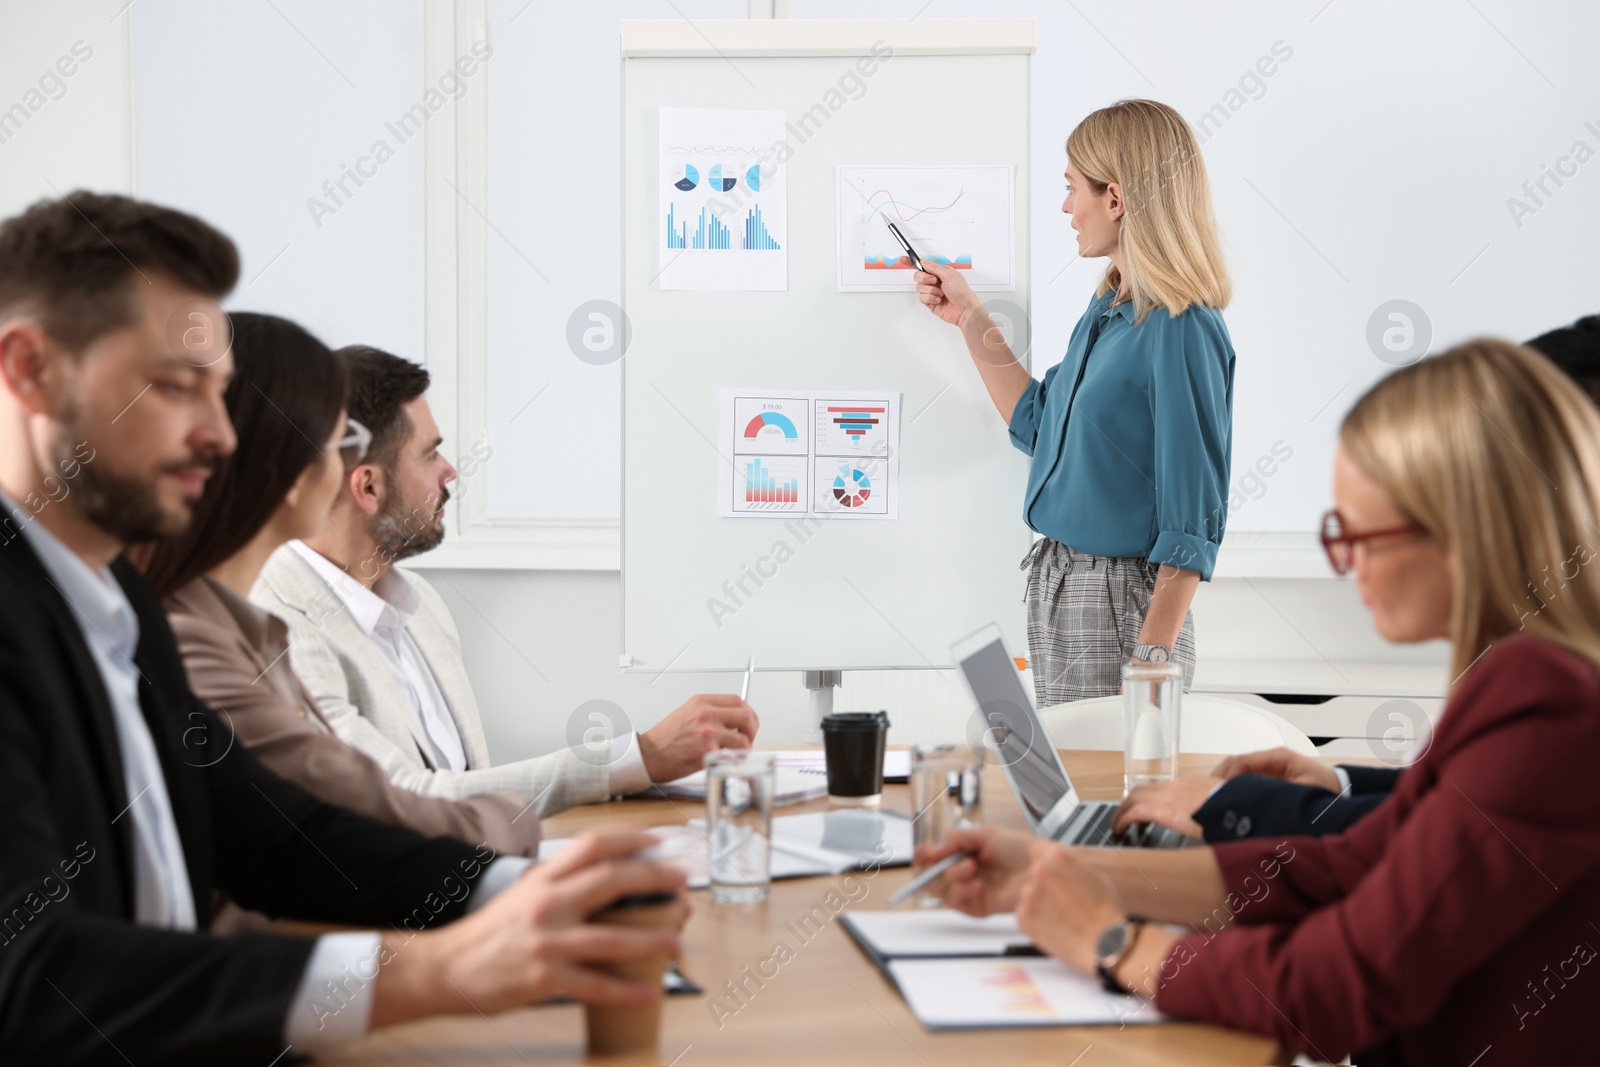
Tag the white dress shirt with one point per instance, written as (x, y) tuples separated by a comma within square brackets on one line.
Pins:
[(328, 1008), (382, 613), (161, 892)]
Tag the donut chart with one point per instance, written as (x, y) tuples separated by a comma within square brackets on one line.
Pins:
[(854, 492)]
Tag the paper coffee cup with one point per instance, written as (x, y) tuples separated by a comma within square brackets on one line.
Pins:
[(615, 1030)]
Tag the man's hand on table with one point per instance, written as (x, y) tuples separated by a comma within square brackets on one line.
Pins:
[(1173, 804), (1284, 763)]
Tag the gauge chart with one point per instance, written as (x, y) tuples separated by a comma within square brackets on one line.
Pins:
[(769, 425)]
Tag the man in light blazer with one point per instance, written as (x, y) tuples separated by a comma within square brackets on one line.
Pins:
[(380, 653)]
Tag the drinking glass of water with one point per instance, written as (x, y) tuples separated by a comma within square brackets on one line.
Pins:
[(946, 792), (1151, 697), (739, 788)]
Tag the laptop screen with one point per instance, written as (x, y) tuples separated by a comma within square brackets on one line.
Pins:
[(1020, 742)]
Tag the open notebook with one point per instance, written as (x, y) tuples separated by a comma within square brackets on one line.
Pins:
[(958, 972)]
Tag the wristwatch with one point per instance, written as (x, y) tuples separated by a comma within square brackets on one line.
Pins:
[(1152, 653), (1112, 947)]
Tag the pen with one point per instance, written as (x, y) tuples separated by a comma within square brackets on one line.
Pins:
[(749, 669), (923, 880), (900, 237)]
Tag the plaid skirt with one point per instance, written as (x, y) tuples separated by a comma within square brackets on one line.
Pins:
[(1084, 616)]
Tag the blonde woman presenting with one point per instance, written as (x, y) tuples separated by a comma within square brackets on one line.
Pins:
[(1131, 432)]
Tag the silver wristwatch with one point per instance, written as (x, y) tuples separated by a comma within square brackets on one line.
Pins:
[(1152, 653)]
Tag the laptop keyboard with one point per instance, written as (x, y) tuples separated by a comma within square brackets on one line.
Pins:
[(1094, 828)]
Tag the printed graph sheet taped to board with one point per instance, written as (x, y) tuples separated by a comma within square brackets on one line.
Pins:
[(807, 452), (962, 217), (723, 203)]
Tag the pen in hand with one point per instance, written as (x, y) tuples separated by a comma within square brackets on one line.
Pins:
[(927, 877)]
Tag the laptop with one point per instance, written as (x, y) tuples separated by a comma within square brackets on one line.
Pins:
[(1014, 734)]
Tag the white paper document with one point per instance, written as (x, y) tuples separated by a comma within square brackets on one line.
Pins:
[(807, 452), (962, 217), (724, 217), (791, 785), (936, 932), (947, 994)]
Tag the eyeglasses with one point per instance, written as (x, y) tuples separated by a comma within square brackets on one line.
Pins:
[(1340, 545), (355, 442)]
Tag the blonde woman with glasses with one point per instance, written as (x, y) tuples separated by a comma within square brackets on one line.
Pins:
[(1131, 432), (1455, 924)]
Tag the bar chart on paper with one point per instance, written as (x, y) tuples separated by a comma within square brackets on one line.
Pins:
[(709, 231), (771, 484), (962, 217)]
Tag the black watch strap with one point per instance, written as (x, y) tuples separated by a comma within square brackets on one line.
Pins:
[(1108, 978), (1109, 981)]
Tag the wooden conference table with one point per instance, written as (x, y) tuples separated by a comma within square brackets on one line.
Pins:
[(827, 1004)]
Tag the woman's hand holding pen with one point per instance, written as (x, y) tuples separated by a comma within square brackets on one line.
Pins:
[(946, 293)]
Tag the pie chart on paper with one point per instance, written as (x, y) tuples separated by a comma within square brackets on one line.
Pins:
[(851, 487)]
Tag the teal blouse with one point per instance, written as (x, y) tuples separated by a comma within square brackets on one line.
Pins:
[(1131, 436)]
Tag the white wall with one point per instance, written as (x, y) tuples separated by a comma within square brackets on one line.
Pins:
[(78, 132), (271, 119)]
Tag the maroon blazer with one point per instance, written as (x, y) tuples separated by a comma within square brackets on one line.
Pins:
[(1456, 924)]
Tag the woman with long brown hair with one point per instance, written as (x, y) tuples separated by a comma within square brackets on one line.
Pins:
[(286, 402), (1130, 434)]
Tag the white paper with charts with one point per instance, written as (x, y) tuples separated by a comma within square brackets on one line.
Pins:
[(808, 452), (723, 204), (962, 217)]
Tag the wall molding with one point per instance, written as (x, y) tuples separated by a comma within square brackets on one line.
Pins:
[(456, 206)]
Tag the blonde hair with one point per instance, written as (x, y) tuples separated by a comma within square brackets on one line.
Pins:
[(1171, 254), (1496, 454)]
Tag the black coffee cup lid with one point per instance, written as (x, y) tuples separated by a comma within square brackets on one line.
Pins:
[(856, 720)]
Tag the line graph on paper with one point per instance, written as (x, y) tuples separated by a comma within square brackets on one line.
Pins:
[(961, 217), (937, 230)]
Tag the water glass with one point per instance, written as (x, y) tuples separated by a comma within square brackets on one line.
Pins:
[(1152, 695), (739, 789), (946, 792)]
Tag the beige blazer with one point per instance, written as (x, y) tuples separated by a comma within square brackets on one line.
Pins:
[(366, 706), (235, 654)]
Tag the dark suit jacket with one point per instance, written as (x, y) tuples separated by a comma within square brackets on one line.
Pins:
[(80, 983), (1253, 806)]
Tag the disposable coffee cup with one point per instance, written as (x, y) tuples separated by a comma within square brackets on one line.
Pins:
[(614, 1030), (853, 743)]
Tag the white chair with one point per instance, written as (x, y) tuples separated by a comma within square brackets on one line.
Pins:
[(1209, 724)]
